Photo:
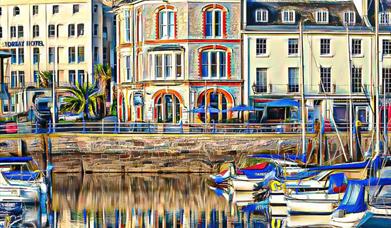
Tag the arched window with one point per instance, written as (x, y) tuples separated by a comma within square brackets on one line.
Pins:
[(168, 107), (16, 11), (215, 62), (216, 99), (166, 22), (214, 21)]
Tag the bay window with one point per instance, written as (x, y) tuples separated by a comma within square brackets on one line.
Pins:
[(166, 65)]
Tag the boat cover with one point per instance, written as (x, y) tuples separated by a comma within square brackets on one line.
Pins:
[(337, 183), (21, 175), (258, 166), (258, 206), (302, 175), (353, 200), (15, 159), (259, 173)]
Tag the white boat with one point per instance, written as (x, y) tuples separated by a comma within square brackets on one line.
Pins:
[(242, 183), (308, 220), (18, 193)]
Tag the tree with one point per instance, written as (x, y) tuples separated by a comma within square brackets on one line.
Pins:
[(76, 101), (103, 77), (45, 79)]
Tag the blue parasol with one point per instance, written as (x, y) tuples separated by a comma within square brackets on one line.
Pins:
[(283, 103), (209, 109), (241, 108)]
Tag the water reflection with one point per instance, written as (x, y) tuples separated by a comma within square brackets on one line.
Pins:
[(142, 200)]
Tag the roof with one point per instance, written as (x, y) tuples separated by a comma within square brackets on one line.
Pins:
[(384, 6), (304, 10)]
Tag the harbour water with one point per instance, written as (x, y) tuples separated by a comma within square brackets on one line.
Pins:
[(143, 200)]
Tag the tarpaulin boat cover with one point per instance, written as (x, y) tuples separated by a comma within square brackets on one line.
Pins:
[(353, 200), (258, 166), (15, 159), (21, 175), (259, 173), (302, 175), (336, 182)]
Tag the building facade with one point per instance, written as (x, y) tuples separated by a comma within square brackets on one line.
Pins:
[(176, 56), (64, 37), (322, 49)]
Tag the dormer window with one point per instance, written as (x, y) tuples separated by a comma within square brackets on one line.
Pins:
[(349, 18), (322, 17), (288, 16), (384, 18), (261, 15)]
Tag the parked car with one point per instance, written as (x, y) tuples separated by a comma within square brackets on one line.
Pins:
[(8, 127)]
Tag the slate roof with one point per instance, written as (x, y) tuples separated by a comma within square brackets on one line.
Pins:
[(384, 6), (304, 9)]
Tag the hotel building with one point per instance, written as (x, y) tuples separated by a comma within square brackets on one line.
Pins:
[(66, 37), (175, 56)]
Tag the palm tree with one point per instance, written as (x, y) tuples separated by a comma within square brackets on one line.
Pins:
[(45, 79), (76, 101), (103, 76)]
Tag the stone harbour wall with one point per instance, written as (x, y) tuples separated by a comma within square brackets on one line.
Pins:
[(158, 153)]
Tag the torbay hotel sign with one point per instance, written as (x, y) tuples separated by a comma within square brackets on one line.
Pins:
[(11, 44)]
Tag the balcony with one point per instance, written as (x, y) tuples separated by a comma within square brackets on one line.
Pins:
[(276, 88)]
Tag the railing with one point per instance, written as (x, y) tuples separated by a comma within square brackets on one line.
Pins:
[(103, 127), (310, 89)]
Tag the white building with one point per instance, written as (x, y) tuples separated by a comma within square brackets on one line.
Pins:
[(334, 64), (66, 37)]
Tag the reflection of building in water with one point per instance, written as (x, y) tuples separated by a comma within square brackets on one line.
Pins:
[(137, 200)]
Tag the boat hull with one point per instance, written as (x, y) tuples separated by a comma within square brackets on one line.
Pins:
[(348, 220)]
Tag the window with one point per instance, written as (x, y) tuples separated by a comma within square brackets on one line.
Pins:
[(16, 11), (35, 9), (80, 29), (71, 55), (80, 54), (166, 24), (128, 69), (51, 54), (322, 16), (51, 30), (72, 77), (293, 46), (20, 31), (104, 34), (1, 32), (35, 31), (21, 55), (36, 55), (356, 47), (104, 55), (325, 79), (214, 64), (386, 75), (261, 46), (96, 54), (55, 9), (384, 18), (13, 56), (95, 8), (261, 15), (71, 30), (293, 80), (36, 76), (261, 80), (96, 28), (386, 47), (21, 78), (1, 11), (325, 47), (14, 78), (139, 27), (356, 80), (13, 31), (178, 65), (166, 64), (80, 77), (349, 18), (76, 8), (288, 16), (127, 26), (213, 23)]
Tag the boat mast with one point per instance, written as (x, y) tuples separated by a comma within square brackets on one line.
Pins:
[(303, 144), (377, 81)]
